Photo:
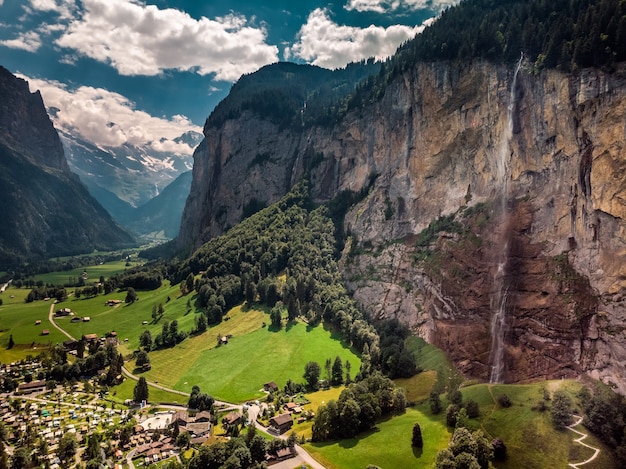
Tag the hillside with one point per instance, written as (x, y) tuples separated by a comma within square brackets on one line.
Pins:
[(47, 211), (483, 195)]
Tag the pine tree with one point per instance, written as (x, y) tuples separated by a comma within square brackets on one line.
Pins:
[(140, 393), (416, 440)]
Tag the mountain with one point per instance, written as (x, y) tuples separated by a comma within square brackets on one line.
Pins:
[(161, 215), (134, 174), (479, 199), (46, 209)]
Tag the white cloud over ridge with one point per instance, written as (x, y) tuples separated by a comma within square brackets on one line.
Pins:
[(109, 119), (323, 42), (140, 39), (385, 6)]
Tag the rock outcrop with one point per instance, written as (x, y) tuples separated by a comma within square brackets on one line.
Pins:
[(436, 141)]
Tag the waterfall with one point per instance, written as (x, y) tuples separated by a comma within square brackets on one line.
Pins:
[(501, 288)]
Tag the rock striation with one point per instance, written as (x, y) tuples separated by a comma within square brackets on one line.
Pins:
[(434, 142)]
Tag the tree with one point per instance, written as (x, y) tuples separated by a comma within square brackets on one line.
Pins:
[(312, 372), (473, 411), (183, 440), (455, 397), (140, 393), (131, 295), (67, 447), (11, 342), (349, 418), (451, 413), (93, 451), (201, 323), (416, 439), (145, 340), (21, 459), (337, 372), (4, 457), (435, 402), (142, 359), (276, 315), (561, 410)]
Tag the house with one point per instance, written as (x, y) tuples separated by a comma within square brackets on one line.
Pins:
[(286, 453), (63, 312), (45, 332), (91, 337), (37, 322), (70, 344), (33, 386), (281, 423), (86, 319), (182, 417), (112, 302), (204, 416), (232, 418), (270, 387), (75, 319), (290, 406)]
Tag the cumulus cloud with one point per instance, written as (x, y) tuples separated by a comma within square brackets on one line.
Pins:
[(140, 39), (106, 118), (64, 8), (323, 42), (29, 41), (384, 6)]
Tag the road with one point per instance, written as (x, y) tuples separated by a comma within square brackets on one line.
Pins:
[(51, 319)]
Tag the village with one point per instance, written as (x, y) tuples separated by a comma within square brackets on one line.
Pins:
[(58, 420)]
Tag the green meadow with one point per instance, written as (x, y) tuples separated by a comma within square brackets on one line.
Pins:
[(94, 272), (388, 445)]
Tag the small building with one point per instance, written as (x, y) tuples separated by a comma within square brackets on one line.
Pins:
[(45, 332), (270, 387), (281, 423), (75, 319), (33, 386), (37, 322), (203, 416), (232, 418), (91, 337), (63, 312), (86, 319)]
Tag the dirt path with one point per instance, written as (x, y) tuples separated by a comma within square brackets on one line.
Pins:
[(51, 319), (579, 440)]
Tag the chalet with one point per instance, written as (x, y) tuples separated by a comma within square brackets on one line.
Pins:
[(75, 319), (37, 322), (91, 337), (270, 387), (63, 312), (86, 319), (70, 344), (286, 453), (203, 416), (281, 423), (289, 406), (33, 386), (232, 418), (182, 417), (112, 302), (45, 332)]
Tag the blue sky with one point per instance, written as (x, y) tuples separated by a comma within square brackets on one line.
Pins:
[(156, 69)]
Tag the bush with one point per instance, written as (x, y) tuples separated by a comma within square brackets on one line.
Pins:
[(504, 401)]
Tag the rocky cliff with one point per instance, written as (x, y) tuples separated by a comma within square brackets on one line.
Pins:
[(46, 210), (471, 178)]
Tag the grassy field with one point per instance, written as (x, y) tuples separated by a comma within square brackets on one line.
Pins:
[(388, 445), (125, 391), (531, 440), (254, 355), (93, 272), (17, 319), (418, 387)]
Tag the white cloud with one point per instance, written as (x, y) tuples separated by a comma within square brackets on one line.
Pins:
[(106, 118), (325, 43), (384, 6), (64, 8), (140, 39), (29, 41)]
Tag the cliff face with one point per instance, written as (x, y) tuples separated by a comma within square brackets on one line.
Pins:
[(537, 190), (46, 210)]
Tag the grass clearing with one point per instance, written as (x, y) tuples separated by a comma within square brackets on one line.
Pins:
[(124, 391), (94, 272), (388, 445), (417, 388)]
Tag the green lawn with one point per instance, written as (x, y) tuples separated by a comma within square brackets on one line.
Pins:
[(124, 391), (388, 445)]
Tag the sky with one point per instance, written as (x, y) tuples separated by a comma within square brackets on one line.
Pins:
[(129, 71)]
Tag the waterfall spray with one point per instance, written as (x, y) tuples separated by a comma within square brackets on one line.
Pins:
[(501, 287)]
